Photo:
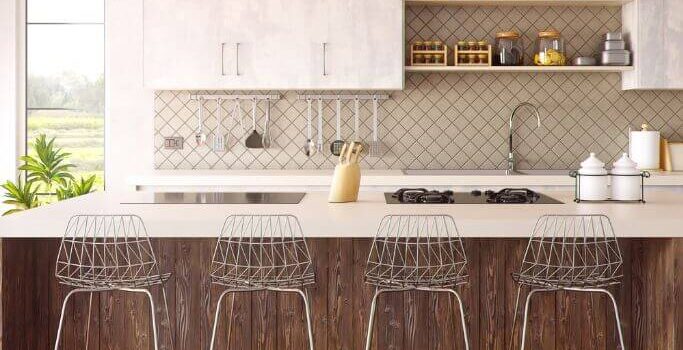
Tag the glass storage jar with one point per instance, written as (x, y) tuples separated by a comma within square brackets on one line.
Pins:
[(509, 50), (550, 49)]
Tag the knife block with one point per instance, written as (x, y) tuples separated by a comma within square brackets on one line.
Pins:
[(346, 179), (345, 183)]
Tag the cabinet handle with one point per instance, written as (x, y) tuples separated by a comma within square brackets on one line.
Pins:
[(324, 59), (222, 59), (237, 59)]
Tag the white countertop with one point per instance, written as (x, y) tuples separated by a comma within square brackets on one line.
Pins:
[(390, 179), (661, 216)]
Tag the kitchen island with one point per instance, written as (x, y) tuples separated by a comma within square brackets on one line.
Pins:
[(651, 239)]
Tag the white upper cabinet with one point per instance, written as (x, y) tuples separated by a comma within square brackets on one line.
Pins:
[(273, 44), (654, 29)]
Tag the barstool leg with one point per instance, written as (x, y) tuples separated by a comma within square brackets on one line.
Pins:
[(61, 316), (462, 317), (152, 312), (526, 314), (215, 318), (309, 324), (371, 317), (616, 313), (87, 329), (168, 318)]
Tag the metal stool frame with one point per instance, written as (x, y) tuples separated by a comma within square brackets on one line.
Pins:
[(262, 253), (416, 253), (576, 253), (106, 253)]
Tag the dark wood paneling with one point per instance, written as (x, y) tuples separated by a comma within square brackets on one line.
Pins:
[(650, 301)]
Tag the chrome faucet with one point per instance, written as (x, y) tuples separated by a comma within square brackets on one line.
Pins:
[(511, 156)]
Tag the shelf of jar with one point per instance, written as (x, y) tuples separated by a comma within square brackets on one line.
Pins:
[(519, 2), (531, 69)]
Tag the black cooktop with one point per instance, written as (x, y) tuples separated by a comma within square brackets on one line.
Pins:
[(504, 196)]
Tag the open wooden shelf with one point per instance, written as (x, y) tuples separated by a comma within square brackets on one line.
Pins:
[(531, 69), (519, 2)]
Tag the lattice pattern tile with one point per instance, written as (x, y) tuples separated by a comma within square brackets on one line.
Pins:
[(452, 121)]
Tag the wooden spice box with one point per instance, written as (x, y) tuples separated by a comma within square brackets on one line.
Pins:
[(443, 53), (488, 53)]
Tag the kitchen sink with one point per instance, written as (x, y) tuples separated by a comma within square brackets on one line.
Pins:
[(481, 172)]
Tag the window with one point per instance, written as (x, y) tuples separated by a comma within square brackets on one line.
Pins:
[(65, 80)]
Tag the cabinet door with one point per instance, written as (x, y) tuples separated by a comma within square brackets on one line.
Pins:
[(653, 30), (365, 44), (181, 44)]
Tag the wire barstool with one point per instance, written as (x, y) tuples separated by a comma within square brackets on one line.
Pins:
[(416, 252), (577, 253), (105, 253), (262, 252)]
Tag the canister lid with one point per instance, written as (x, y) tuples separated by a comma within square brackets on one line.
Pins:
[(592, 166), (625, 166), (550, 33), (510, 34)]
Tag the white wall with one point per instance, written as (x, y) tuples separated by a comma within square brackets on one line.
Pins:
[(9, 102), (129, 141)]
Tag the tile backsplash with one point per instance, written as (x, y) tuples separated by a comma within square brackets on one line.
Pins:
[(450, 121)]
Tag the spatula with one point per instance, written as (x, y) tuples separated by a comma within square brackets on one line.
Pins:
[(309, 146), (254, 140), (200, 136)]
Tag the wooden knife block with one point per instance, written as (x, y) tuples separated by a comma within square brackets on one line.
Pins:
[(345, 183)]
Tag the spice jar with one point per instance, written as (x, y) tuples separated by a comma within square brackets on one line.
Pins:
[(550, 49), (437, 45), (483, 45), (438, 59), (509, 50), (472, 58), (419, 58), (419, 46), (428, 58), (462, 45), (472, 45), (482, 58), (427, 45)]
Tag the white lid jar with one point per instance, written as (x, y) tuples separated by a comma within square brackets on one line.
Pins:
[(626, 182), (593, 182)]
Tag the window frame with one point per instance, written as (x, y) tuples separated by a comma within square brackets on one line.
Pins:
[(26, 110)]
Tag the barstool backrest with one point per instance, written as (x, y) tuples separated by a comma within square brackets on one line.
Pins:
[(101, 250), (571, 250), (416, 250), (262, 250)]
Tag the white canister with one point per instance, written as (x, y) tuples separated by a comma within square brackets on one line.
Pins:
[(644, 148), (592, 187), (626, 188)]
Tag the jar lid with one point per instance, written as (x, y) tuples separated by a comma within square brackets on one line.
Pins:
[(472, 42), (592, 166), (551, 33), (625, 166), (512, 35), (418, 43)]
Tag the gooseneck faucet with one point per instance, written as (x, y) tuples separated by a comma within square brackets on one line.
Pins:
[(511, 155)]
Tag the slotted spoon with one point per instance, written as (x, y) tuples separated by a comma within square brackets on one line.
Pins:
[(219, 138)]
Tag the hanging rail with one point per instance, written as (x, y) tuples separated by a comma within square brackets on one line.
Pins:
[(235, 97), (343, 97)]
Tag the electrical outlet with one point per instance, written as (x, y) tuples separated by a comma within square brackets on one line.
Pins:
[(173, 142)]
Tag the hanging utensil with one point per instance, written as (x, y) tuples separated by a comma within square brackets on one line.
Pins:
[(356, 116), (336, 145), (376, 147), (200, 136), (319, 145), (309, 147), (254, 140), (219, 138), (237, 116), (266, 126)]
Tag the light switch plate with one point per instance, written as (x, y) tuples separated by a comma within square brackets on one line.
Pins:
[(173, 142)]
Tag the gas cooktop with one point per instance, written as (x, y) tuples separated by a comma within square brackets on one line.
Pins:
[(504, 196)]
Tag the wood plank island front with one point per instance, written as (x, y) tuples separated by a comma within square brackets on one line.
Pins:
[(650, 298)]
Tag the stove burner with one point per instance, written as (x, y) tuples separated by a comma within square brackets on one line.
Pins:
[(422, 195), (512, 196)]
